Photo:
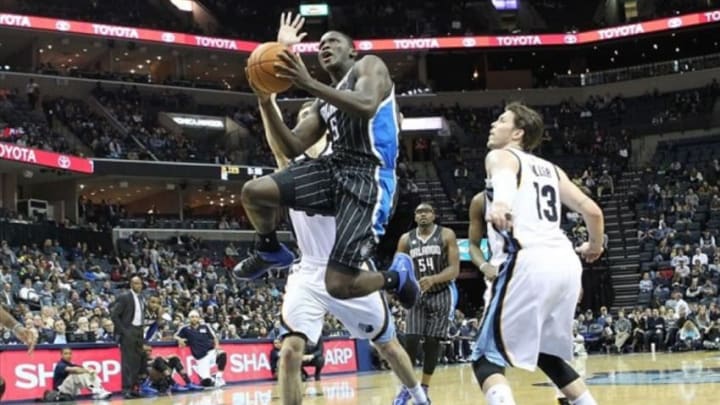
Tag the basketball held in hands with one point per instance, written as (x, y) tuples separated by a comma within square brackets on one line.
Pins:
[(261, 68)]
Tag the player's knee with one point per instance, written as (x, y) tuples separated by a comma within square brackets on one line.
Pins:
[(557, 369), (340, 281), (483, 369), (292, 351), (260, 192)]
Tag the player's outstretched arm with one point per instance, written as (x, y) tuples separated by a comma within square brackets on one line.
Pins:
[(372, 86), (578, 201), (281, 159), (23, 334)]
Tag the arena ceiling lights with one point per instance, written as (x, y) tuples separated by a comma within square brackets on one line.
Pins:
[(365, 45)]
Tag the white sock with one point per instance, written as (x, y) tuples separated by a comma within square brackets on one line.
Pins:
[(218, 374), (585, 399), (499, 394), (418, 394)]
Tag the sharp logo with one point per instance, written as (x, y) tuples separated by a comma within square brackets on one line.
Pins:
[(31, 376), (168, 37), (469, 42), (338, 356), (62, 25)]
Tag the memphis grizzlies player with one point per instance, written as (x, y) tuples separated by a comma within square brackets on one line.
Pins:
[(434, 251), (529, 320), (306, 299), (355, 184)]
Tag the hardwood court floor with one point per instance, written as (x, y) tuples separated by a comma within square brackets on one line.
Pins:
[(672, 379)]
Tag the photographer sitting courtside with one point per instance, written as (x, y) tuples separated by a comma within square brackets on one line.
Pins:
[(69, 379)]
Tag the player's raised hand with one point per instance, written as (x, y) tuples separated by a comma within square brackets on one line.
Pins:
[(500, 216), (261, 95), (288, 33), (293, 68), (589, 251)]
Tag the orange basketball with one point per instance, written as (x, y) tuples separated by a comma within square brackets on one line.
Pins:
[(261, 69)]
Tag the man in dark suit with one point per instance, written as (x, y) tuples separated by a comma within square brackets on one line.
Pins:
[(127, 315)]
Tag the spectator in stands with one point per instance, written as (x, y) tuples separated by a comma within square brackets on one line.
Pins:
[(605, 183), (712, 337), (32, 90), (70, 379), (655, 330), (622, 328), (646, 284), (688, 338), (700, 256), (6, 296), (707, 240)]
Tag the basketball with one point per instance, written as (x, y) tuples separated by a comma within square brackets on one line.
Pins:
[(261, 69)]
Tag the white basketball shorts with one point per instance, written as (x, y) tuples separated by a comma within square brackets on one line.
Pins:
[(307, 301), (531, 310)]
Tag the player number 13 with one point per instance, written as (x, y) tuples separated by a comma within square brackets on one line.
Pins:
[(548, 195)]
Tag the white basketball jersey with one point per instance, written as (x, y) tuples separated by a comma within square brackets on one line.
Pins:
[(315, 234), (536, 211)]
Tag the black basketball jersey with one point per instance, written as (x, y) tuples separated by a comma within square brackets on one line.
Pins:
[(429, 255), (372, 142)]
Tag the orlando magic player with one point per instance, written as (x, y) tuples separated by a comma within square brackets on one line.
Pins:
[(435, 254), (306, 299), (528, 322), (355, 184)]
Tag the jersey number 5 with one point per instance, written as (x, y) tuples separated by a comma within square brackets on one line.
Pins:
[(425, 264), (548, 194), (333, 128)]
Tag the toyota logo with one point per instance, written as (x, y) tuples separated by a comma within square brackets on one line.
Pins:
[(62, 25), (469, 42), (64, 161), (675, 22), (570, 39), (168, 37), (365, 45)]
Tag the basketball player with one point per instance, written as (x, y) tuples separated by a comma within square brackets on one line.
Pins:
[(306, 299), (355, 184), (205, 348), (436, 258), (23, 334), (529, 320), (476, 232), (160, 372)]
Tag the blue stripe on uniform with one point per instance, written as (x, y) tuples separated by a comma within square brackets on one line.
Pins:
[(384, 134), (453, 300), (486, 345)]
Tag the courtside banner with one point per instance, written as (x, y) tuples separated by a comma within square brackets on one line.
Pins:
[(28, 376), (39, 157), (364, 45)]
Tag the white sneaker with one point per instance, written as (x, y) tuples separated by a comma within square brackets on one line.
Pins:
[(219, 382), (102, 394)]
